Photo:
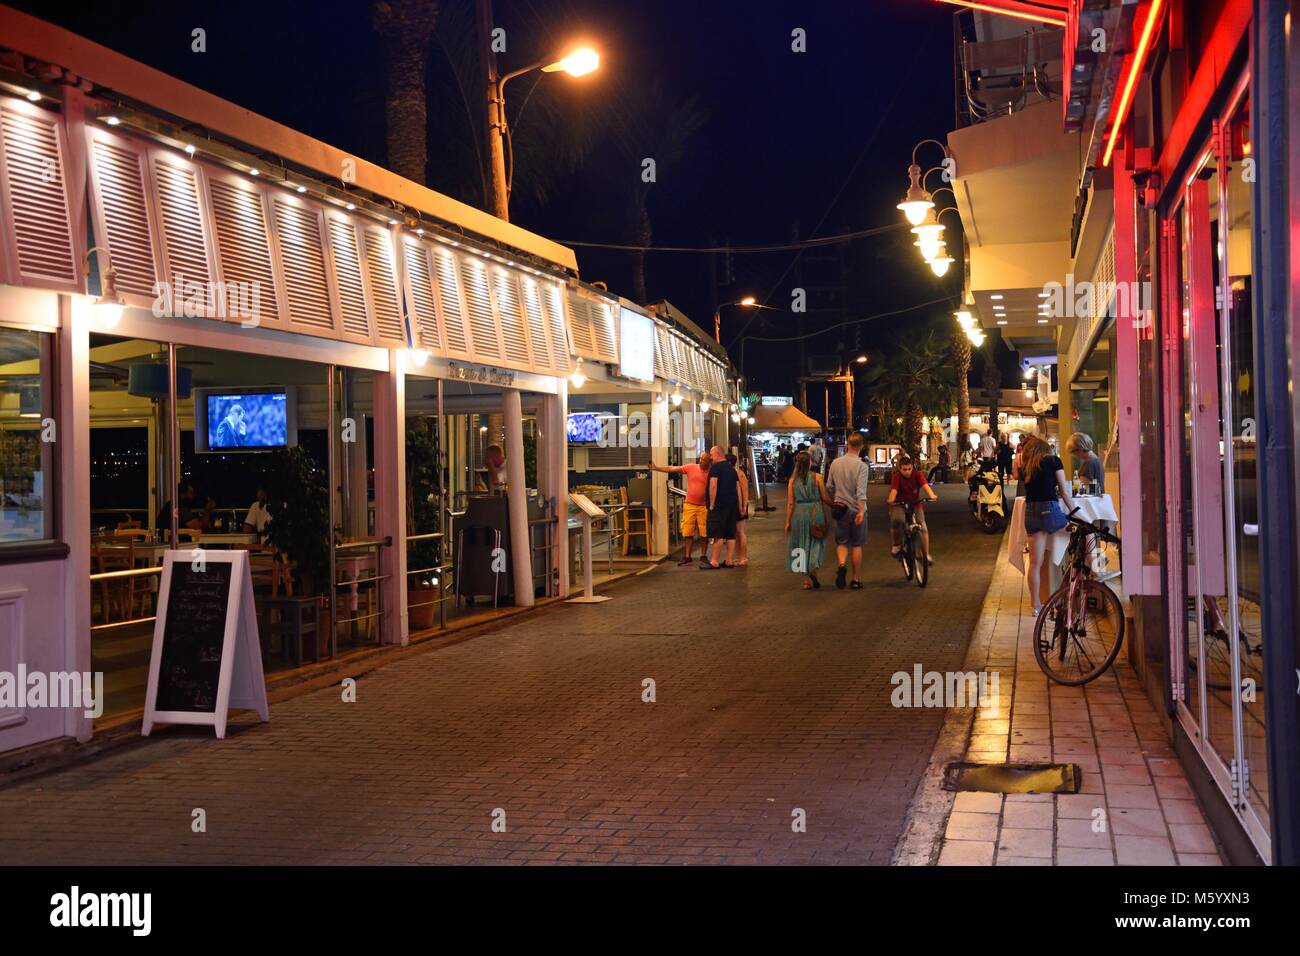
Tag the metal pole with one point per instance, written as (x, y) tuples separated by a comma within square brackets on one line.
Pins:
[(445, 549), (496, 115), (173, 442), (329, 534)]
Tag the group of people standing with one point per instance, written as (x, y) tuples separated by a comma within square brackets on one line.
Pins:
[(716, 509)]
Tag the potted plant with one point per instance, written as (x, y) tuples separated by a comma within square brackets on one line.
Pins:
[(298, 499), (421, 518)]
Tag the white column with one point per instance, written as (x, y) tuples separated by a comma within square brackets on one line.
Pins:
[(553, 477), (389, 401), (659, 455), (73, 438), (521, 558)]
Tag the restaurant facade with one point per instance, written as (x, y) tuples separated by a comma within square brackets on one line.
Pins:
[(201, 309), (1129, 194)]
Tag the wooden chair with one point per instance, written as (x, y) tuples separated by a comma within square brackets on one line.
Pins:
[(184, 535), (132, 534), (636, 523), (117, 594), (129, 524)]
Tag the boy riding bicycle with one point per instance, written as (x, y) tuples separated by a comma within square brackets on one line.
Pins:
[(907, 487)]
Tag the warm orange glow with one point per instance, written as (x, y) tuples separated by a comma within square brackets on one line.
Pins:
[(1131, 81), (1018, 14), (748, 300), (578, 63)]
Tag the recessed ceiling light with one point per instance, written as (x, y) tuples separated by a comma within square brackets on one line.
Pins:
[(996, 295), (112, 120), (252, 172), (1042, 321), (33, 96), (189, 148), (302, 189), (419, 232), (392, 222), (1044, 295), (1002, 321), (351, 206)]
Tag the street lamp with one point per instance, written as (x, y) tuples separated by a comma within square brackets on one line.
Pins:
[(917, 201), (748, 302), (579, 62)]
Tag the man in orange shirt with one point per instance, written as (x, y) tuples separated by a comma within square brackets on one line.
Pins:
[(695, 512)]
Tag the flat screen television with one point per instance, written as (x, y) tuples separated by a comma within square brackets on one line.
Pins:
[(244, 419), (584, 428)]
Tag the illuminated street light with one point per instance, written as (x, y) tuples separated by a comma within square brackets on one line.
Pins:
[(580, 62)]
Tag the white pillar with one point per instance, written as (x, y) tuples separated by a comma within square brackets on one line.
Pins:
[(389, 402), (73, 437), (521, 557), (659, 438)]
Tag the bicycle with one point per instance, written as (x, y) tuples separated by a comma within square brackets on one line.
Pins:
[(1085, 616), (914, 565)]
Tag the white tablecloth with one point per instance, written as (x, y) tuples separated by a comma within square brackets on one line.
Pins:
[(1091, 508)]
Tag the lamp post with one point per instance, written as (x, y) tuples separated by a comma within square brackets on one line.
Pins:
[(748, 302), (579, 62)]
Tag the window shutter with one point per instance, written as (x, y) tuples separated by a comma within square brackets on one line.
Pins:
[(184, 238), (35, 198), (537, 336), (243, 252), (423, 311), (663, 353), (478, 303), (125, 229), (452, 304), (604, 339), (347, 273), (302, 263), (389, 327), (514, 334), (580, 326), (553, 301)]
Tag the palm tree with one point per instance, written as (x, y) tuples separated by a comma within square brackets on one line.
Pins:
[(960, 347), (645, 122), (916, 377), (406, 29), (992, 383)]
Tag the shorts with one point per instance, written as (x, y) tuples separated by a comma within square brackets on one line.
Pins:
[(1046, 516), (849, 533), (722, 521), (695, 521), (896, 516)]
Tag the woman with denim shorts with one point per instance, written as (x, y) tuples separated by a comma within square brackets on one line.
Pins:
[(1044, 476)]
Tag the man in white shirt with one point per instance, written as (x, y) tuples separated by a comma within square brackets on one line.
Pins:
[(258, 516), (988, 447)]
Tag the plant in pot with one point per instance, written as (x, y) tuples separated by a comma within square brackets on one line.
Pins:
[(299, 530), (421, 518)]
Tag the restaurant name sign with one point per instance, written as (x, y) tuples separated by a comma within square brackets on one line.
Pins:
[(483, 374)]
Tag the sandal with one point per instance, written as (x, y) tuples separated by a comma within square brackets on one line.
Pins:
[(816, 584), (685, 561), (807, 586), (855, 585)]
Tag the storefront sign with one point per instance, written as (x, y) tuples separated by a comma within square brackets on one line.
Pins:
[(206, 654), (483, 374), (636, 354), (778, 400)]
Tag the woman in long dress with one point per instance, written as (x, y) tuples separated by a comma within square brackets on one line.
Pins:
[(805, 505)]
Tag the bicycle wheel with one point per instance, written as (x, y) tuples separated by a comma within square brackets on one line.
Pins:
[(1079, 632), (906, 558), (922, 570)]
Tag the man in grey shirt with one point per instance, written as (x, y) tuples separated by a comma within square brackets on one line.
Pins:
[(846, 482)]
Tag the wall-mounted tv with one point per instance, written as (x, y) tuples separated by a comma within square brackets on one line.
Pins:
[(244, 419), (584, 428)]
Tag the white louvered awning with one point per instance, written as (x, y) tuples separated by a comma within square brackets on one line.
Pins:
[(320, 270), (37, 246)]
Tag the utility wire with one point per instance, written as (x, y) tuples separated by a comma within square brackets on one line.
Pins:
[(869, 318), (778, 247)]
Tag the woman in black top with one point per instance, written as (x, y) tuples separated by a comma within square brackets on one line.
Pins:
[(1044, 476)]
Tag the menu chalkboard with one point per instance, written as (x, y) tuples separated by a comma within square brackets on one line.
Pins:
[(206, 656), (194, 633)]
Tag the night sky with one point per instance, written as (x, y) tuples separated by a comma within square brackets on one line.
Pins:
[(816, 141)]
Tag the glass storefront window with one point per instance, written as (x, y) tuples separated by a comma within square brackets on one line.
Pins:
[(27, 436)]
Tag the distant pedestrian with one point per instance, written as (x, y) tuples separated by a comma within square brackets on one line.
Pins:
[(724, 510), (806, 523), (847, 485), (817, 455), (939, 472), (742, 545), (988, 447), (1005, 456)]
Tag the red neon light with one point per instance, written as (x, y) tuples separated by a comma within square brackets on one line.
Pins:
[(1131, 81), (1020, 14)]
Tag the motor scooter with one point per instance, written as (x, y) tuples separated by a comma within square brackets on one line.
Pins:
[(986, 502)]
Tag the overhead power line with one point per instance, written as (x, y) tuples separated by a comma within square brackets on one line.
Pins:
[(779, 247), (832, 328)]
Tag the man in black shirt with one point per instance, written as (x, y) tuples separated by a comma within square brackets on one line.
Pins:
[(724, 509)]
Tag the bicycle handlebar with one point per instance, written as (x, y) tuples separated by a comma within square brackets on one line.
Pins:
[(1091, 528)]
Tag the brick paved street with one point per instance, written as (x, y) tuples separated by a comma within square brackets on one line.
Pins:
[(768, 699)]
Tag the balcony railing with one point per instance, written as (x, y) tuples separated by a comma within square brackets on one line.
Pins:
[(998, 75)]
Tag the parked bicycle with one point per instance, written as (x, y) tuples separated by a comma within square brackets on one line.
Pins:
[(915, 564), (1080, 629)]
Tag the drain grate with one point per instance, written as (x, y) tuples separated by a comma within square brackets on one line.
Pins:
[(1012, 777)]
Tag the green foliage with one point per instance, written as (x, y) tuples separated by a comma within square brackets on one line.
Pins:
[(298, 499), (914, 378), (421, 496), (530, 459)]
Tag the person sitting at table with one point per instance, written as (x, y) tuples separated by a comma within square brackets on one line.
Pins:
[(185, 499), (258, 516), (1088, 466)]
